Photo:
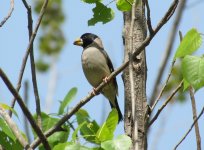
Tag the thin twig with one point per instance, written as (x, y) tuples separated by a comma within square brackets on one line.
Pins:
[(138, 50), (197, 132), (168, 51), (196, 120), (32, 63), (14, 128), (9, 13), (162, 90), (149, 24), (165, 103), (32, 38), (162, 22), (25, 110), (26, 89)]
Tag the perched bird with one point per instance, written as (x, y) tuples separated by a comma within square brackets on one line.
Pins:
[(97, 66)]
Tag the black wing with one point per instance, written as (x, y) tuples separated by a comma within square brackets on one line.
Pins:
[(110, 65)]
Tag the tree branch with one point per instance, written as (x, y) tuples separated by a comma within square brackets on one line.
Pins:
[(194, 122), (165, 103), (25, 110), (15, 129), (149, 24), (163, 21), (198, 139), (32, 38), (162, 90), (32, 63), (166, 56), (9, 13), (131, 78)]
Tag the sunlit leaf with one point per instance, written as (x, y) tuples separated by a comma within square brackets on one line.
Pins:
[(122, 142), (193, 71), (68, 98), (124, 5), (6, 107), (70, 146), (106, 131), (189, 44)]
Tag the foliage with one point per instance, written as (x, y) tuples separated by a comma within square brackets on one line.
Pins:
[(51, 40), (192, 67), (58, 137), (101, 14), (7, 138), (193, 71), (68, 98)]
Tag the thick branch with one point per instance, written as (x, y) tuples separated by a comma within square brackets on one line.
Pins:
[(131, 79), (15, 129), (25, 110), (9, 13)]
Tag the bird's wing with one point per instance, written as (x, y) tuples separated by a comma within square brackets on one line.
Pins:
[(110, 66)]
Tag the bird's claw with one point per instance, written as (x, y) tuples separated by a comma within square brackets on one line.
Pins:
[(94, 92), (106, 80)]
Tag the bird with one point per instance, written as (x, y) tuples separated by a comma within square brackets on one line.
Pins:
[(97, 66)]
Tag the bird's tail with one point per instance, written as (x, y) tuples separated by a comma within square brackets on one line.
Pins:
[(120, 116)]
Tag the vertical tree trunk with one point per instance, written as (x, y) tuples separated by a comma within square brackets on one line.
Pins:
[(136, 127)]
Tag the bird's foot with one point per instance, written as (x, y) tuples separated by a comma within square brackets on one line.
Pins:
[(106, 80), (94, 92)]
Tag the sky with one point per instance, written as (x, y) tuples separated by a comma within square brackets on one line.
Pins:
[(173, 122)]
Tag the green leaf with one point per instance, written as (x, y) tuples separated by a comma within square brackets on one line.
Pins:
[(6, 129), (89, 130), (189, 44), (106, 132), (68, 98), (9, 108), (74, 135), (122, 142), (124, 5), (101, 14), (70, 146), (8, 143), (57, 137), (91, 1), (42, 66), (185, 85), (193, 71)]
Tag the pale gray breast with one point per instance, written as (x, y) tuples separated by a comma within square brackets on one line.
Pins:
[(94, 65)]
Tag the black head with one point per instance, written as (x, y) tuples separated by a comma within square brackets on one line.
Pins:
[(85, 40)]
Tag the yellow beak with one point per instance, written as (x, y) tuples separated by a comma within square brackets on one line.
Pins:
[(78, 42)]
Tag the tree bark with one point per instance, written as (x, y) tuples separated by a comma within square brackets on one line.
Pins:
[(135, 127)]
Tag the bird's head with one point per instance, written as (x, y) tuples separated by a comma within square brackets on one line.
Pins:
[(87, 39)]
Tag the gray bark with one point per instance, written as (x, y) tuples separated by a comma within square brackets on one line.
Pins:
[(137, 134)]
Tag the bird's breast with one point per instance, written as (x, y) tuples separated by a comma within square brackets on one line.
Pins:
[(94, 65)]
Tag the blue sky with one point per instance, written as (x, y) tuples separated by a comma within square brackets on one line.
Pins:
[(173, 122)]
